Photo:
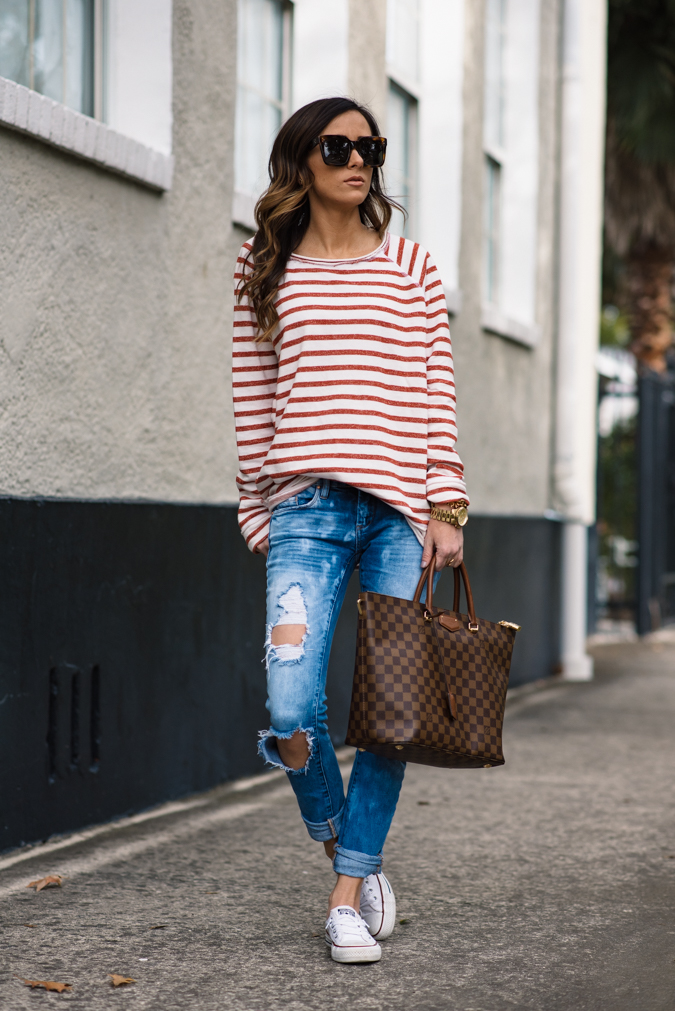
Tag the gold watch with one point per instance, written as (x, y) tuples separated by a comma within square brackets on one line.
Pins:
[(452, 512)]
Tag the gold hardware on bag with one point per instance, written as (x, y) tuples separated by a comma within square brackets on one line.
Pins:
[(510, 624), (472, 627), (399, 747), (427, 615), (358, 604), (487, 766)]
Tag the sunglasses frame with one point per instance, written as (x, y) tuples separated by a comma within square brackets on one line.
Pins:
[(352, 145)]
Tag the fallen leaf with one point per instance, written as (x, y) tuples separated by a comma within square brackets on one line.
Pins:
[(51, 881), (120, 980), (28, 924), (158, 926), (423, 802), (404, 921), (212, 893), (47, 984)]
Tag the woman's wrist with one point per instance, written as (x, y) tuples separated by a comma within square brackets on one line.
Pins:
[(455, 513)]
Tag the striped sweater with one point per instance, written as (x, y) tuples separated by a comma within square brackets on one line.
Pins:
[(356, 385)]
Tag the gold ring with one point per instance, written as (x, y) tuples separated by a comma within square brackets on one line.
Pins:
[(449, 562)]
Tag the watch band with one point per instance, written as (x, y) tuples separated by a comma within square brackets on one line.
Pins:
[(455, 513)]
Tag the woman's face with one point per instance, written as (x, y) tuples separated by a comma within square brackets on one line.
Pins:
[(349, 186)]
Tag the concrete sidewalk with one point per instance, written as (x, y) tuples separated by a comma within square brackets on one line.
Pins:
[(548, 884)]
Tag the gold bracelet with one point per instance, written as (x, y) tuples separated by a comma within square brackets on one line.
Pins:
[(453, 512)]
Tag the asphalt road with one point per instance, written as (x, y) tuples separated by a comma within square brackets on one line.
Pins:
[(548, 884)]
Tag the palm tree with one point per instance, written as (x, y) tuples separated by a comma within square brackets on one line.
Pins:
[(640, 168)]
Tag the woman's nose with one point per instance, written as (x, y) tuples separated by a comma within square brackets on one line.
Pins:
[(355, 161)]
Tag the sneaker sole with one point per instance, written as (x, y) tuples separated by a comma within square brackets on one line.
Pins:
[(388, 912)]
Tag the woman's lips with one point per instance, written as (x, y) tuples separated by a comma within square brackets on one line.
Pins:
[(355, 179)]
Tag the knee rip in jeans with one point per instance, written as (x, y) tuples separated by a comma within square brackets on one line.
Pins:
[(268, 747), (286, 638)]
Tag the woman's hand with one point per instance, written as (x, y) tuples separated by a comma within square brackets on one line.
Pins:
[(263, 548), (448, 543)]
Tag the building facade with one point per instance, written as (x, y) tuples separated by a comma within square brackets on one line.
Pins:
[(133, 145)]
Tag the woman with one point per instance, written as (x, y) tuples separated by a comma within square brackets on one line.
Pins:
[(344, 407)]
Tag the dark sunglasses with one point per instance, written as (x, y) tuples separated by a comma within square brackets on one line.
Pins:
[(336, 150)]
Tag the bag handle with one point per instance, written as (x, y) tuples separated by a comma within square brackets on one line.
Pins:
[(428, 577)]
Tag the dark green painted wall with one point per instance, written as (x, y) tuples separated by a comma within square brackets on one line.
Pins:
[(131, 650)]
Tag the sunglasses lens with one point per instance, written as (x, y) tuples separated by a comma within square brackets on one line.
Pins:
[(335, 150), (372, 150)]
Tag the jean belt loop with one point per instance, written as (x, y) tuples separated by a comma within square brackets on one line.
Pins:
[(325, 487)]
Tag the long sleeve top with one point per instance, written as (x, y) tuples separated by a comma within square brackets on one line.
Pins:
[(356, 385)]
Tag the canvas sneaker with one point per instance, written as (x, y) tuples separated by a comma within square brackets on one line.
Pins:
[(349, 937), (378, 906)]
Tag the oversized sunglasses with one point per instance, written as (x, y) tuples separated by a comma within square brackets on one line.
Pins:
[(336, 150)]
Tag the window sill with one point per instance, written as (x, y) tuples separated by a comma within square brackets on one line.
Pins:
[(29, 112), (497, 323), (243, 210)]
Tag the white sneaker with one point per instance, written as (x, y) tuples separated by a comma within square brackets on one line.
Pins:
[(349, 937), (378, 906)]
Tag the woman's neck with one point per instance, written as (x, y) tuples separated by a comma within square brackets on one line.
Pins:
[(334, 234)]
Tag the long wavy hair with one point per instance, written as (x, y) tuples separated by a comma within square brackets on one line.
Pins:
[(282, 212)]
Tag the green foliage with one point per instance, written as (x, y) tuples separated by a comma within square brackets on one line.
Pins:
[(641, 77), (617, 499), (614, 327)]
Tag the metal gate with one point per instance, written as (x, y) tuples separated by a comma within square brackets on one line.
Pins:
[(656, 502)]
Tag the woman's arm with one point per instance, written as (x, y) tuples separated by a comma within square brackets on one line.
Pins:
[(254, 381), (445, 471)]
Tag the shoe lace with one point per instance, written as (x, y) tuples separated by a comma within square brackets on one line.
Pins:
[(350, 925)]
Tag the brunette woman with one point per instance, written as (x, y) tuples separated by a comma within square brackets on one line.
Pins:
[(345, 413)]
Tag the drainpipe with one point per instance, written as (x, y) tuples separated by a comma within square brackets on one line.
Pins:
[(581, 195)]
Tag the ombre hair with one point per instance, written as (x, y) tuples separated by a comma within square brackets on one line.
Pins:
[(282, 212)]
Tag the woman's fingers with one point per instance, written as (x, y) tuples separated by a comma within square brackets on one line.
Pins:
[(447, 541), (263, 548)]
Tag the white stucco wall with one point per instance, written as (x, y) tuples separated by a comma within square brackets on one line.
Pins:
[(115, 301)]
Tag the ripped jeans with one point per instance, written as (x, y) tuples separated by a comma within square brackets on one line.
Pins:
[(316, 540)]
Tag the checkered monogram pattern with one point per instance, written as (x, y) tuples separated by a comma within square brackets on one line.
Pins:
[(407, 668)]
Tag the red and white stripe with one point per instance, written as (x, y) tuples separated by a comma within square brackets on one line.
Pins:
[(357, 385)]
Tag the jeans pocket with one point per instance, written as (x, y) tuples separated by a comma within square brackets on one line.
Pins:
[(302, 500)]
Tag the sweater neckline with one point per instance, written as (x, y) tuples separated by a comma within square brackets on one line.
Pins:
[(348, 259)]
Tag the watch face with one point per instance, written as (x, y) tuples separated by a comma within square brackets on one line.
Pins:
[(462, 516)]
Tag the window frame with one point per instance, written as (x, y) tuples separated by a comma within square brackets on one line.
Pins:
[(395, 84), (99, 13), (243, 203)]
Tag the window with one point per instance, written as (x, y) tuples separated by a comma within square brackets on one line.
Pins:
[(403, 70), (493, 133), (511, 168), (399, 166), (55, 47), (263, 86), (491, 230)]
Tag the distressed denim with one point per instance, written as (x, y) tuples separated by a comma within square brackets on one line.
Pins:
[(317, 538)]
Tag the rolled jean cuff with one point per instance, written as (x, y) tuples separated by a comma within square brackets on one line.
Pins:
[(322, 831), (355, 864)]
